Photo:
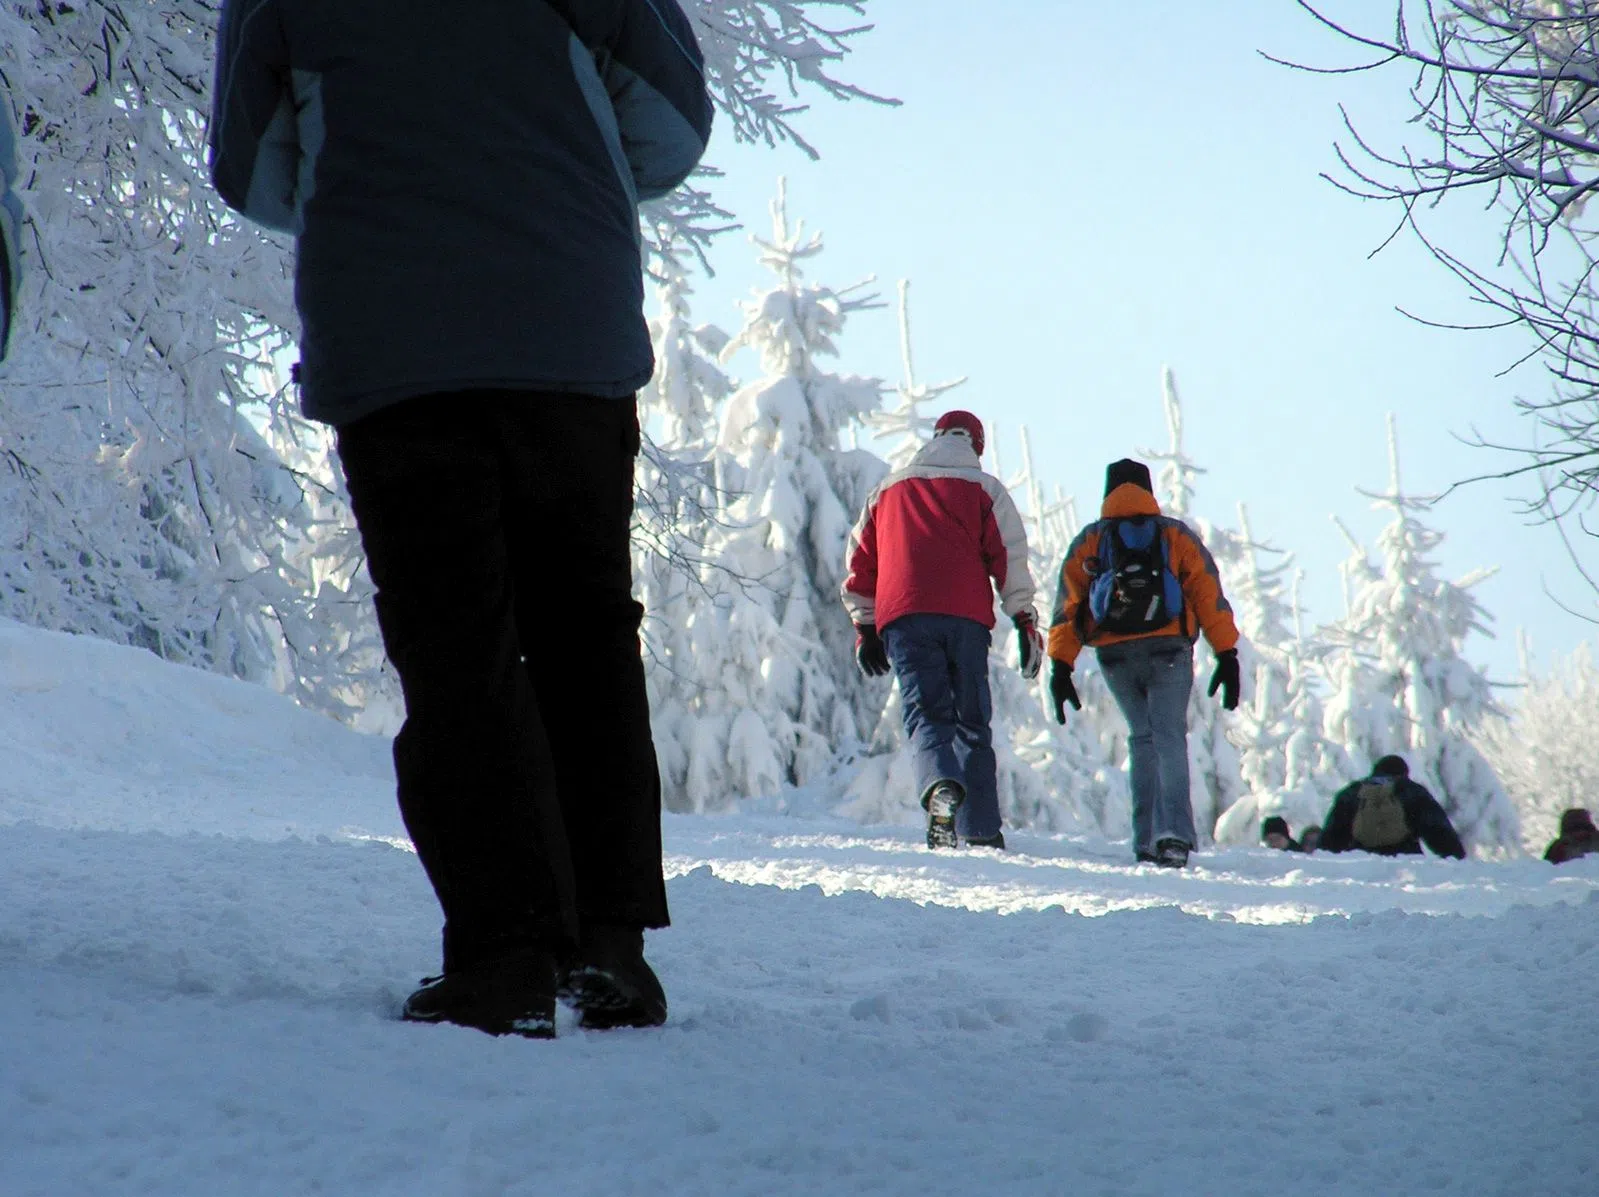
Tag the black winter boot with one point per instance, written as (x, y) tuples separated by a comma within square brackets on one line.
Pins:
[(610, 983), (995, 841), (943, 801), (513, 994), (1171, 854)]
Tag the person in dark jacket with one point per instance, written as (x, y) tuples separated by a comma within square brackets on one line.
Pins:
[(1150, 668), (1419, 819), (1578, 837), (930, 541), (462, 183), (1274, 834), (10, 227)]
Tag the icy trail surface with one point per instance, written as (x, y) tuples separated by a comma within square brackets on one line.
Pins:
[(208, 914)]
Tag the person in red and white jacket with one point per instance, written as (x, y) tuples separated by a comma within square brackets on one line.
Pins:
[(936, 540)]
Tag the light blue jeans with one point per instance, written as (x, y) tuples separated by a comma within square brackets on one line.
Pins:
[(941, 664), (1151, 680)]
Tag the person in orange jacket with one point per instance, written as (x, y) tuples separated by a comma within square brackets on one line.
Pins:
[(1140, 587)]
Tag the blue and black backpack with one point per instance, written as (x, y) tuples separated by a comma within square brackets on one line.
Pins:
[(1132, 590)]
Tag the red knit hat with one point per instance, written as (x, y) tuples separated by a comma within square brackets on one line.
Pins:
[(961, 421)]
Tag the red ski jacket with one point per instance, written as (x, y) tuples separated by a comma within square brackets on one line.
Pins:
[(932, 537)]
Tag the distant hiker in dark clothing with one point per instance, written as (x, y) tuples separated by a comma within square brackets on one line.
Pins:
[(1274, 834), (10, 226), (918, 570), (1139, 587), (462, 181), (1578, 837), (1389, 814)]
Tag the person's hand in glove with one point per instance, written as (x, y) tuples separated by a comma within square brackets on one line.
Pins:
[(1225, 679), (870, 654), (1031, 643), (1062, 690)]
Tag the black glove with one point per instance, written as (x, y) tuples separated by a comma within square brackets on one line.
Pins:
[(870, 654), (1062, 690), (1030, 642), (1225, 679)]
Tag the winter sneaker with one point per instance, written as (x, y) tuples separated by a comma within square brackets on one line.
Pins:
[(610, 984), (1171, 854), (995, 841), (512, 994), (942, 803)]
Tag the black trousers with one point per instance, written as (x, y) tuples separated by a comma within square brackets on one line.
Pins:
[(496, 528)]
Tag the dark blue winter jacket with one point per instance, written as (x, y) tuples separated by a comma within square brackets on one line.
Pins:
[(463, 181), (10, 226)]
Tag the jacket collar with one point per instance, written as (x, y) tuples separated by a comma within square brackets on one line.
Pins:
[(1128, 499)]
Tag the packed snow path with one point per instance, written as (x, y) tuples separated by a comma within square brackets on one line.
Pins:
[(207, 919)]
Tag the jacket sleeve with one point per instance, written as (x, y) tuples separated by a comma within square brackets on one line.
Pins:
[(654, 73), (10, 227), (1201, 582), (1430, 821), (254, 140), (1005, 553), (1338, 832), (1071, 591), (859, 590)]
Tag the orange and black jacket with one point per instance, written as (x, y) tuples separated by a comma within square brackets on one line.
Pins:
[(1205, 607)]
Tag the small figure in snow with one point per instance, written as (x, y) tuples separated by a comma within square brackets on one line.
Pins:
[(1389, 814), (10, 226), (919, 564), (1310, 838), (1274, 834), (463, 184), (1139, 587), (1578, 837)]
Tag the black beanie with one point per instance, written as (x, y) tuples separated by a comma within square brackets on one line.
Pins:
[(1390, 766), (1127, 470), (1276, 823)]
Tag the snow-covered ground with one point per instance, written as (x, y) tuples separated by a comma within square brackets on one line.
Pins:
[(208, 915)]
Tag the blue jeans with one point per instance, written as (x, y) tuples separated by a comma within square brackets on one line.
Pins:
[(941, 662), (1151, 680)]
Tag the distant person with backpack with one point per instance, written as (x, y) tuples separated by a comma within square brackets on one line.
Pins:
[(1578, 837), (921, 558), (1389, 814), (1139, 587)]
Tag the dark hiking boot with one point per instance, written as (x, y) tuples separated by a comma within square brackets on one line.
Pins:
[(609, 982), (1171, 854), (942, 803), (995, 841), (512, 994), (1148, 858)]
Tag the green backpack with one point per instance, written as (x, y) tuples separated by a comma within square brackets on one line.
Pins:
[(1380, 820)]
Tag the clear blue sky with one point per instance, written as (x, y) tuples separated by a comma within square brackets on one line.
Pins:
[(1080, 199)]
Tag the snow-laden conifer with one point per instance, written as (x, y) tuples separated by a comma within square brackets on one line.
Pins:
[(1215, 778), (1399, 681), (775, 695), (1543, 749), (158, 487)]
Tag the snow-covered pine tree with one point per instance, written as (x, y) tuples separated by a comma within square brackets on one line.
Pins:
[(1217, 782), (1400, 684), (775, 696), (678, 511), (1543, 749), (753, 50), (158, 489), (908, 421), (1053, 777)]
